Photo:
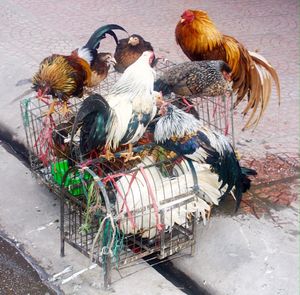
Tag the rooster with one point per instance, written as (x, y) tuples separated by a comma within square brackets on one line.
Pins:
[(142, 195), (252, 74), (148, 192), (183, 134), (124, 115), (128, 50), (63, 76)]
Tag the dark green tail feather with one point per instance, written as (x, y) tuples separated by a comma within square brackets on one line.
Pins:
[(99, 34), (248, 171), (244, 184), (91, 106)]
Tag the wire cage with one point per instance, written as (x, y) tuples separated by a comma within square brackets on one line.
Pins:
[(119, 216), (114, 211)]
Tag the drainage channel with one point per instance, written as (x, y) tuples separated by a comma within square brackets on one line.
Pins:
[(177, 277), (164, 267)]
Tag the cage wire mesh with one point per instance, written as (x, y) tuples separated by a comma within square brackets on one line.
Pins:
[(114, 211)]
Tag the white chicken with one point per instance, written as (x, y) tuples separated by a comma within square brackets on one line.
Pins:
[(144, 195)]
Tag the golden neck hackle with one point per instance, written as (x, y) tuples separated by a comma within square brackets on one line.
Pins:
[(208, 36)]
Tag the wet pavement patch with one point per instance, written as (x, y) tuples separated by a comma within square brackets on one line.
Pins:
[(276, 185), (17, 276), (13, 146)]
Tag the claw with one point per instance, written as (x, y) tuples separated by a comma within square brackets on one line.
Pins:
[(109, 156), (51, 108), (129, 155)]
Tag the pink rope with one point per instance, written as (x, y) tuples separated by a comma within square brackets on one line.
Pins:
[(44, 142), (130, 184), (111, 178), (159, 226)]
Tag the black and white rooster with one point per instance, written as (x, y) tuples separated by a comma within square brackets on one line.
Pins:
[(183, 134), (124, 115)]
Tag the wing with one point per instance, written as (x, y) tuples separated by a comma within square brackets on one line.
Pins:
[(137, 126), (196, 147), (212, 149)]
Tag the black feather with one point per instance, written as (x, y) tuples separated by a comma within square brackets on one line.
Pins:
[(94, 115), (160, 85), (248, 171), (246, 181)]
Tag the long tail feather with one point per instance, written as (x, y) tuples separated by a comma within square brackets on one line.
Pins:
[(262, 74), (259, 59), (248, 171), (99, 34), (245, 180)]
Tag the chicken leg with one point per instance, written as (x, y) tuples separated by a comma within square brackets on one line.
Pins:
[(129, 154), (65, 109), (109, 156), (51, 108)]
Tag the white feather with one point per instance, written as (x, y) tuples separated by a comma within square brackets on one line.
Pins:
[(178, 123), (85, 54), (140, 204), (133, 92)]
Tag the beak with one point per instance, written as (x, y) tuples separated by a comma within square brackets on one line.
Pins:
[(112, 61), (182, 20), (159, 99), (40, 93), (130, 40), (163, 108)]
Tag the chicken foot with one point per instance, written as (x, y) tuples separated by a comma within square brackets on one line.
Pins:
[(109, 156), (128, 156)]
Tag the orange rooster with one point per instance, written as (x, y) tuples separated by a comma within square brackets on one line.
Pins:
[(252, 74)]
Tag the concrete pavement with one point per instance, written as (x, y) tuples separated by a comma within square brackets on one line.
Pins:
[(261, 253)]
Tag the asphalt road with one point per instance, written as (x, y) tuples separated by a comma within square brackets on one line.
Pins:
[(17, 276)]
